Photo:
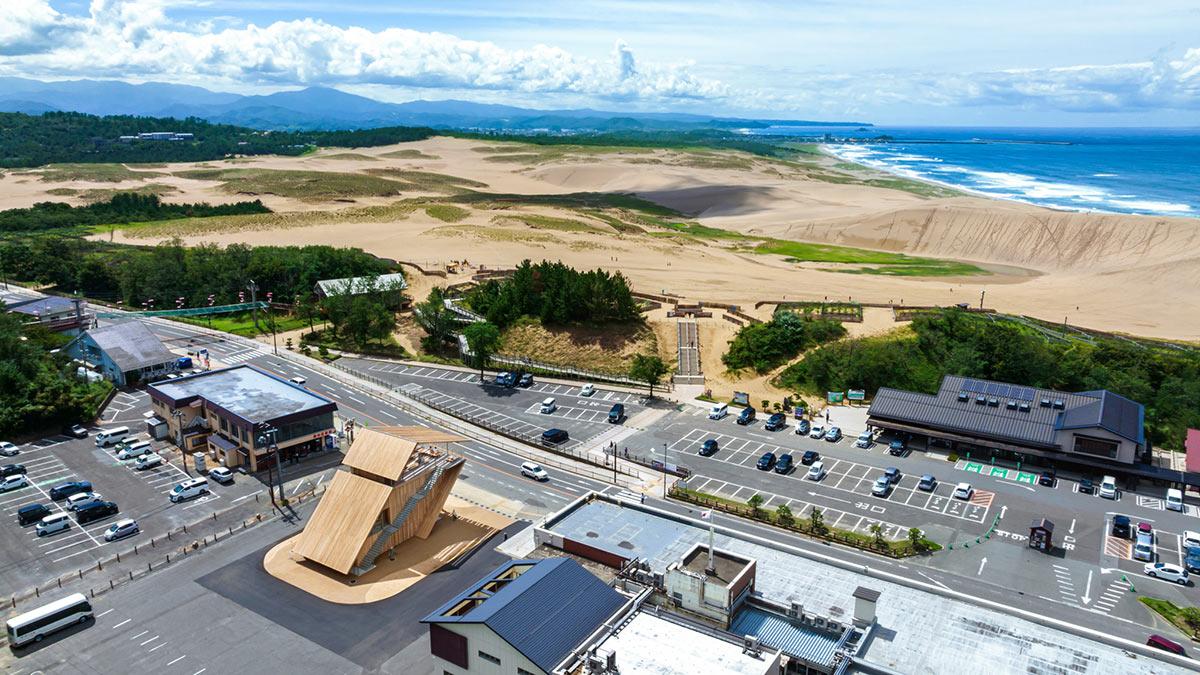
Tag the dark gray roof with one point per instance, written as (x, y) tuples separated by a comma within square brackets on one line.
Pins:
[(243, 391), (1006, 421), (51, 304), (357, 285), (131, 345), (544, 613)]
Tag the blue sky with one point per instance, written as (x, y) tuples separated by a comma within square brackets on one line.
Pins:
[(1015, 63)]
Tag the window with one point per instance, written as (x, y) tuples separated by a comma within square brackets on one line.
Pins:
[(224, 425), (488, 657), (1096, 446)]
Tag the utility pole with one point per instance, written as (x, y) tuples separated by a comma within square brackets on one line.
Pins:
[(271, 323), (178, 415), (267, 438), (254, 301), (664, 470)]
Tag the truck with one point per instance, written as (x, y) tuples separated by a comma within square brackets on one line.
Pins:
[(183, 363)]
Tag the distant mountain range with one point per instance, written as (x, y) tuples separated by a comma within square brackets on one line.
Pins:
[(320, 108)]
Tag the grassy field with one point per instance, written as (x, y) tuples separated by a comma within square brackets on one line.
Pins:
[(243, 324), (348, 156), (447, 213), (408, 153), (874, 262), (271, 221), (539, 222), (305, 185), (522, 153), (606, 349), (427, 181), (102, 194), (101, 173), (1171, 612)]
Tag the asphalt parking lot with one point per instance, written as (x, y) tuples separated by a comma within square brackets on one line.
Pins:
[(27, 560)]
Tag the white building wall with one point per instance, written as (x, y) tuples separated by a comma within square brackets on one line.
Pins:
[(482, 638)]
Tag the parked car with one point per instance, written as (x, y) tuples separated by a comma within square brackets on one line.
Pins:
[(8, 449), (505, 379), (776, 422), (1191, 538), (64, 490), (587, 389), (1121, 527), (709, 448), (927, 483), (148, 461), (1047, 478), (96, 511), (1143, 548), (766, 462), (881, 487), (864, 440), (221, 475), (188, 489), (1108, 487), (76, 431), (802, 427), (11, 470), (817, 431), (1168, 572), (963, 491), (809, 457), (55, 522), (31, 513), (1191, 559), (14, 482), (548, 406), (126, 527), (896, 447), (534, 471), (834, 434), (892, 474), (816, 471), (785, 464), (616, 413), (1160, 642), (1086, 486), (746, 416), (554, 436), (298, 380), (81, 499), (526, 380), (1145, 528)]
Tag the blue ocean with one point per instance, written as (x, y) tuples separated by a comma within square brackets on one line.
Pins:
[(1145, 171)]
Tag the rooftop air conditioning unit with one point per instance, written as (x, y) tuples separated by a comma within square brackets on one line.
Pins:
[(1024, 407), (595, 663), (819, 621), (610, 660), (1058, 404), (962, 397), (750, 644), (833, 626), (795, 610), (980, 400), (994, 402), (1045, 403), (1011, 405)]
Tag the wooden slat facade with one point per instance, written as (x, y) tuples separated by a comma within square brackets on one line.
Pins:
[(342, 521)]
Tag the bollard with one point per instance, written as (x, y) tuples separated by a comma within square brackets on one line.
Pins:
[(149, 568), (231, 530), (168, 558), (151, 542), (110, 584), (168, 535), (80, 574), (36, 593), (185, 529), (60, 582), (214, 515), (131, 575), (135, 549), (118, 556)]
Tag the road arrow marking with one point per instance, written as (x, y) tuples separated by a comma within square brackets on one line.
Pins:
[(1071, 530), (981, 564), (1003, 510), (1087, 589)]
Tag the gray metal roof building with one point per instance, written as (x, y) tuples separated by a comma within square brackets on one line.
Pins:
[(123, 350), (1085, 425), (358, 285)]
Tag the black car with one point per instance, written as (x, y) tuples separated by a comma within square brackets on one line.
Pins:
[(32, 513), (617, 413), (1086, 486), (526, 380), (76, 430), (1047, 479), (784, 465), (1121, 527), (746, 416), (64, 490), (776, 422), (766, 462), (709, 448), (95, 511), (809, 457), (554, 436), (11, 470), (896, 447)]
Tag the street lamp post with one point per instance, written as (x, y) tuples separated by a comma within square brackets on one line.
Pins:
[(267, 438), (664, 470), (178, 415)]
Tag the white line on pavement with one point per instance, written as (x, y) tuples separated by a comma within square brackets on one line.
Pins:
[(122, 623), (177, 660)]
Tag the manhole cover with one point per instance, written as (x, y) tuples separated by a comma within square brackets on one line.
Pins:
[(626, 545), (592, 535)]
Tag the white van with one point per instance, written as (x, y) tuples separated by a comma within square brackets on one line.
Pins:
[(1174, 499), (1108, 487), (106, 437), (1190, 539), (189, 489), (135, 450), (549, 406), (55, 522), (718, 411)]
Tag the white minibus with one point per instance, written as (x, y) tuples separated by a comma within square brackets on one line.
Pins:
[(36, 624)]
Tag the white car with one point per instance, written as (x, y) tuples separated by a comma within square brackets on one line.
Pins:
[(126, 527), (298, 380), (1167, 571), (1108, 487), (221, 475), (817, 431), (148, 461), (587, 390), (8, 449), (13, 482), (816, 471), (864, 440), (549, 406), (82, 499), (534, 471), (963, 491)]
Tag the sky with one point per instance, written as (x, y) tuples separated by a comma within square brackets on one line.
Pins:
[(932, 62)]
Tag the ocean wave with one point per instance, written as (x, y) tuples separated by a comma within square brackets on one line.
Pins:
[(1150, 206), (1104, 175)]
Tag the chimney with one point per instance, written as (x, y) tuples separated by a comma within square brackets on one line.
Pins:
[(864, 606)]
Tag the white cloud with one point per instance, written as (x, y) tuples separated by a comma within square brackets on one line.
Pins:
[(31, 26)]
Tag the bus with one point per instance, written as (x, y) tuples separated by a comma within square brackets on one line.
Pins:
[(36, 624)]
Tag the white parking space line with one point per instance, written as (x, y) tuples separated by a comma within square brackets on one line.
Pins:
[(122, 623), (177, 660)]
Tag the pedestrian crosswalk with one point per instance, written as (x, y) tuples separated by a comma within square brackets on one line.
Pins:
[(1112, 594), (241, 356)]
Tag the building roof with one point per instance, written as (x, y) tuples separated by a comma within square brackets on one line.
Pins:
[(655, 645), (131, 345), (1017, 415), (545, 611), (357, 285), (338, 527), (378, 453), (793, 639), (50, 304), (245, 392), (420, 434)]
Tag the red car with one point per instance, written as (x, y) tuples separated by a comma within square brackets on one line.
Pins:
[(1145, 528), (1166, 645)]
